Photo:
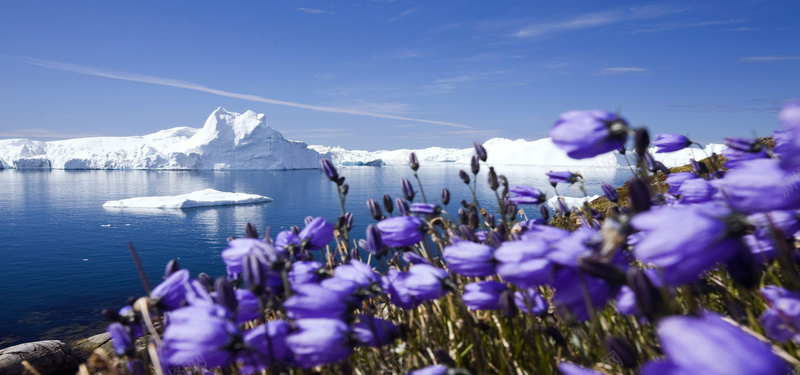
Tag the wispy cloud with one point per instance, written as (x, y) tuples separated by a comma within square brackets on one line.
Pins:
[(314, 11), (80, 69), (688, 25), (448, 85), (404, 14), (593, 20), (770, 58), (621, 70), (45, 134)]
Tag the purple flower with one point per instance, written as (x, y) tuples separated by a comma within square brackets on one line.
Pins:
[(469, 259), (329, 169), (530, 301), (346, 288), (696, 190), (671, 142), (372, 331), (483, 295), (423, 208), (609, 191), (120, 338), (741, 149), (394, 283), (572, 290), (285, 239), (692, 345), (171, 293), (430, 370), (584, 134), (675, 180), (267, 346), (318, 342), (562, 177), (686, 241), (199, 335), (358, 272), (426, 282), (304, 272), (408, 190), (759, 185), (401, 230), (315, 301), (523, 263), (413, 258), (239, 248), (527, 195), (787, 147), (781, 320), (480, 151), (567, 368), (248, 308), (318, 233), (374, 244)]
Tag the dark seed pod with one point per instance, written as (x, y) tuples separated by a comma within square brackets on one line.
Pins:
[(408, 190), (648, 297), (475, 164), (413, 162), (340, 181), (374, 209), (445, 196), (642, 141), (345, 189), (639, 195), (387, 203), (250, 231), (493, 181), (463, 216), (464, 176)]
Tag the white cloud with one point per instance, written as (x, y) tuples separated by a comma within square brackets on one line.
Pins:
[(621, 70), (404, 14), (689, 25), (314, 11), (80, 69), (770, 58), (593, 20)]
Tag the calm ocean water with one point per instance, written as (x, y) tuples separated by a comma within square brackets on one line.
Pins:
[(65, 257)]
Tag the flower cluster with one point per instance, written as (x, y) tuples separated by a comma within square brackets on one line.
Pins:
[(435, 290)]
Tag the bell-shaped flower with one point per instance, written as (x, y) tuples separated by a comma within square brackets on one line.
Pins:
[(573, 289), (423, 208), (318, 342), (372, 331), (781, 320), (315, 301), (426, 282), (563, 177), (685, 241), (483, 295), (248, 306), (401, 230), (530, 301), (121, 339), (759, 185), (523, 262), (527, 195), (671, 142), (199, 336), (266, 344), (171, 293), (585, 134), (285, 239), (692, 346), (305, 272), (239, 248), (674, 180), (469, 259), (394, 284), (318, 233), (358, 272), (696, 190)]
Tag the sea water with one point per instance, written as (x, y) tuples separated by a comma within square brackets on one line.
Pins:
[(64, 258)]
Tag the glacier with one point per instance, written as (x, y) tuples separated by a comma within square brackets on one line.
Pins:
[(227, 141), (201, 198), (503, 151)]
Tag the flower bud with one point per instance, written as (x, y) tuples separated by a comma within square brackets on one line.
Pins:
[(408, 190), (445, 196), (463, 216), (698, 167), (387, 203), (250, 231), (480, 152), (340, 181), (402, 206), (464, 176), (253, 271), (511, 209), (466, 233), (473, 220), (648, 297), (413, 162), (172, 267), (329, 169), (507, 304), (639, 194), (490, 220), (226, 296), (205, 280), (544, 212), (475, 164), (345, 189), (492, 177), (743, 268), (374, 209), (609, 192), (642, 141)]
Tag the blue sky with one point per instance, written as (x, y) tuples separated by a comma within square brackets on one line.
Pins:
[(369, 74)]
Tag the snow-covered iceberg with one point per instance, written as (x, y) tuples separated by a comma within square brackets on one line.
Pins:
[(571, 202), (227, 141), (502, 151), (201, 198)]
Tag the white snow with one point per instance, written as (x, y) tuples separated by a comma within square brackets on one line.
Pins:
[(502, 151), (201, 198), (572, 202), (228, 140)]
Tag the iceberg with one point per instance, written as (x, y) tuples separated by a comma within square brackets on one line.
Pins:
[(227, 141), (572, 202), (201, 198), (502, 151)]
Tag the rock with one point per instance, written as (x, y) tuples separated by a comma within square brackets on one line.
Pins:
[(47, 357), (84, 348)]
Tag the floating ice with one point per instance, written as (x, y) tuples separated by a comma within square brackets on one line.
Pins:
[(202, 198), (572, 202)]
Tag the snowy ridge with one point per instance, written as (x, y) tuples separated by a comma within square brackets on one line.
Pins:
[(227, 141), (201, 198), (502, 151)]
